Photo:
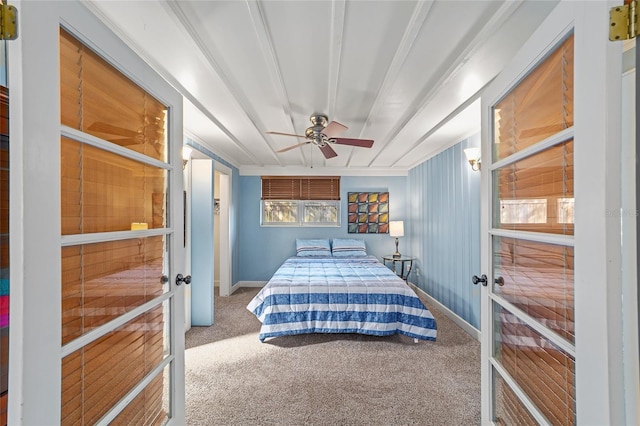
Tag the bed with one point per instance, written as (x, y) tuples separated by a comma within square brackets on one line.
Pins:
[(339, 294)]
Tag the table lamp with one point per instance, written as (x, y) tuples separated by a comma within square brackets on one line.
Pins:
[(396, 229)]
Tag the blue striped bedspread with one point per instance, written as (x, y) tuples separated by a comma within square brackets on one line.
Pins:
[(340, 295)]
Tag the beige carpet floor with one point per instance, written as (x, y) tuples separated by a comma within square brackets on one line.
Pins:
[(327, 379)]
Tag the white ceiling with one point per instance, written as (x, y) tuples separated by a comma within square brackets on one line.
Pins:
[(397, 72)]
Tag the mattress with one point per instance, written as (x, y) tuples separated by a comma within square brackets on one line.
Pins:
[(340, 295)]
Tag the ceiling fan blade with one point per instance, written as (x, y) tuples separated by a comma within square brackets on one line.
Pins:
[(333, 129), (363, 143), (285, 134), (328, 151), (292, 147), (111, 129)]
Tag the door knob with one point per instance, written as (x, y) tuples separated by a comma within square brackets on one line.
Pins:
[(482, 279), (180, 279), (499, 281)]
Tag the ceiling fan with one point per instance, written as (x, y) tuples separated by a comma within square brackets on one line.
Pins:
[(323, 135)]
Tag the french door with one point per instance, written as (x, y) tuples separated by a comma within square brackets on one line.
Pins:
[(550, 303), (101, 338)]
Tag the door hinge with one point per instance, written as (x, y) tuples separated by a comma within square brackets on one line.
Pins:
[(623, 21), (8, 22)]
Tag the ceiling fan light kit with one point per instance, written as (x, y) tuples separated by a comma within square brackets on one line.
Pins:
[(322, 133)]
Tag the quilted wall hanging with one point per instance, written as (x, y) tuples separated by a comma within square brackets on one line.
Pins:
[(368, 212)]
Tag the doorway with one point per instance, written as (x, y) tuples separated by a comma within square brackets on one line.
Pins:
[(222, 251), (208, 234)]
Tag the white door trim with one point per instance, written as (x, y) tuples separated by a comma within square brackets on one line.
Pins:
[(597, 174), (226, 258)]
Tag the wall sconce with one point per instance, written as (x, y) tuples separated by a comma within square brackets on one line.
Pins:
[(396, 229), (186, 155), (473, 157)]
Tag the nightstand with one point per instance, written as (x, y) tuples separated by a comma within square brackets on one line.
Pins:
[(405, 264)]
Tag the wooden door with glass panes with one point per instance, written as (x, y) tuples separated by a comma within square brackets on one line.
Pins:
[(118, 352), (551, 351), (531, 247)]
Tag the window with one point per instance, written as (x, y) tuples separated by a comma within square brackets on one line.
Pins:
[(279, 212), (300, 201)]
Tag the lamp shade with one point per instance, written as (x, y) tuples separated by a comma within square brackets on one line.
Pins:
[(472, 154), (396, 228), (186, 152)]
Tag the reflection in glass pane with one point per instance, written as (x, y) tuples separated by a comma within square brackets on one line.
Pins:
[(320, 212), (279, 211), (104, 280), (540, 106), (533, 194), (565, 210), (104, 192), (98, 99), (542, 370), (150, 407), (538, 279), (97, 376), (523, 211), (508, 409)]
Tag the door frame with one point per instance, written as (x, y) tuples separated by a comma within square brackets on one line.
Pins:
[(599, 367), (226, 177), (33, 76)]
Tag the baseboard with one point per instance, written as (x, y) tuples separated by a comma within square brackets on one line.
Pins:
[(471, 330), (249, 284)]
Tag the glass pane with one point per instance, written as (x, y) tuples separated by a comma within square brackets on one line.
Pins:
[(540, 106), (104, 192), (150, 407), (99, 100), (104, 280), (538, 279), (279, 211), (100, 374), (541, 369), (536, 193), (320, 212), (508, 409)]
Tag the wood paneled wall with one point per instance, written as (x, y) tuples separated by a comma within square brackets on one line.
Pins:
[(444, 208)]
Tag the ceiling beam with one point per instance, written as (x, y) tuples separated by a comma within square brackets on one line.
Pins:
[(263, 35), (434, 129), (232, 86), (456, 61), (419, 16), (336, 35)]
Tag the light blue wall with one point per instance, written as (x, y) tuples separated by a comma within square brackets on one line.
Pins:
[(263, 249), (202, 242), (445, 229)]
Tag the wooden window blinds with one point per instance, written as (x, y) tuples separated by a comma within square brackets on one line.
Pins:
[(300, 187), (104, 192)]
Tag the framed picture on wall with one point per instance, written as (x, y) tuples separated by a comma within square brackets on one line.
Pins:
[(368, 213)]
